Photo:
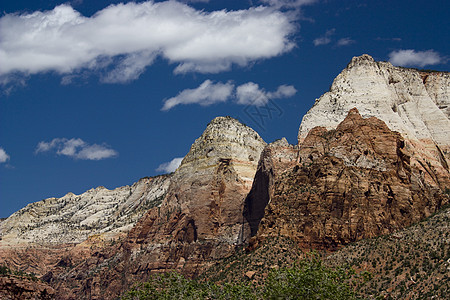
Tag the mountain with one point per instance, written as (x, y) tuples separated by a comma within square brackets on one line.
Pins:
[(372, 159), (342, 185), (73, 218)]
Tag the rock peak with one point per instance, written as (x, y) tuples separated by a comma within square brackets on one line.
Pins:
[(361, 60), (401, 97)]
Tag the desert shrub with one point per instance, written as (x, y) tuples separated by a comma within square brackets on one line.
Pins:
[(307, 279)]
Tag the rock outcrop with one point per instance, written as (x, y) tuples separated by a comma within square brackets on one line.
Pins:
[(343, 185), (73, 218), (200, 218), (16, 287), (414, 103)]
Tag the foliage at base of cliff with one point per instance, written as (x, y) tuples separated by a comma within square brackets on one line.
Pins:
[(307, 279)]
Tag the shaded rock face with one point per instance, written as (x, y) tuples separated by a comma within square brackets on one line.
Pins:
[(275, 158), (344, 185)]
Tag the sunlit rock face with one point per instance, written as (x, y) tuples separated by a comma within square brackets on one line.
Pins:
[(215, 176), (416, 104), (205, 199), (73, 218)]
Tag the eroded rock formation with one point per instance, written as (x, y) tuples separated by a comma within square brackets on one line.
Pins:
[(73, 218), (343, 185), (200, 218)]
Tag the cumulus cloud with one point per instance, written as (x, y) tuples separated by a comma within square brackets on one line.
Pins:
[(206, 94), (121, 41), (170, 166), (76, 148), (345, 42), (416, 58), (4, 157), (251, 94), (325, 39), (209, 93)]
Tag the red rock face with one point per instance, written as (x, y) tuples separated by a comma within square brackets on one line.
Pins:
[(14, 287), (346, 184), (199, 220)]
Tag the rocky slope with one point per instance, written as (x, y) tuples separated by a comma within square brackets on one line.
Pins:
[(72, 218)]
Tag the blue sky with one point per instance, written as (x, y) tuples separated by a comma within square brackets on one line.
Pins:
[(98, 93)]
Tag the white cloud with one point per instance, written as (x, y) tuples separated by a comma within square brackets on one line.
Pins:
[(4, 157), (251, 94), (283, 91), (325, 39), (345, 42), (288, 3), (122, 40), (416, 58), (76, 148), (209, 93), (206, 94), (170, 166)]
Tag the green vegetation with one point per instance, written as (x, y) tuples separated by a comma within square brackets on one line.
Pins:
[(5, 271), (307, 279)]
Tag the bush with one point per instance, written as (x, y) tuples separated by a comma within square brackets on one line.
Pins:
[(308, 279), (175, 286)]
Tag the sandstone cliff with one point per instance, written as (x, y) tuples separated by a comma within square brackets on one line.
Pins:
[(413, 103), (199, 220), (343, 185), (416, 104)]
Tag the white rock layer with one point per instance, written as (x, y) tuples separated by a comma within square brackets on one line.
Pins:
[(73, 218), (414, 103)]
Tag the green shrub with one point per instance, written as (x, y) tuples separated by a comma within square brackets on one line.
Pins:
[(308, 279)]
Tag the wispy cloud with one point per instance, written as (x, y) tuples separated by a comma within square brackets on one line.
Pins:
[(345, 42), (288, 3), (395, 39), (76, 148), (206, 94), (121, 41), (411, 57), (4, 157), (325, 39), (170, 166), (209, 93)]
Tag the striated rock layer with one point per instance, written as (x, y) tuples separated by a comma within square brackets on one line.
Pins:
[(342, 185), (416, 104), (200, 218), (73, 218)]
